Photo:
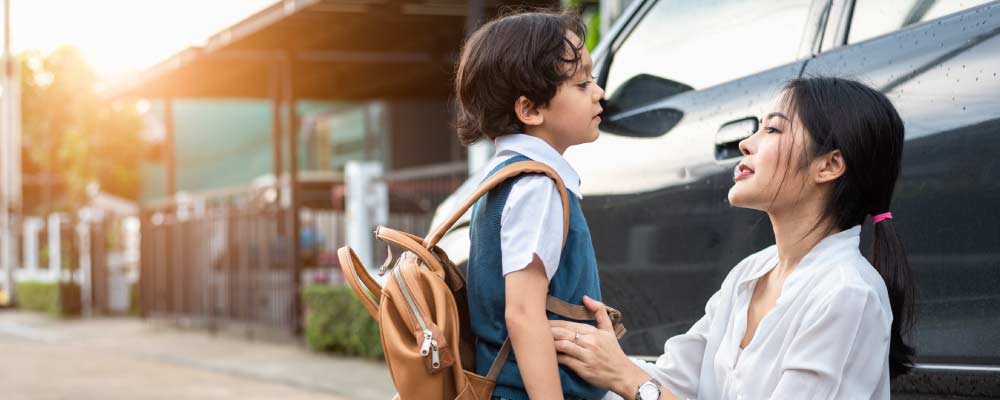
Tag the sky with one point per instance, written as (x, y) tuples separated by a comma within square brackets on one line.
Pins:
[(121, 37)]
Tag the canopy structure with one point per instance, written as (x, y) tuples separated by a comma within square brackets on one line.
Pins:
[(326, 49)]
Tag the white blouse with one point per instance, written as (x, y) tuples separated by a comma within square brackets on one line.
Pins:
[(827, 336)]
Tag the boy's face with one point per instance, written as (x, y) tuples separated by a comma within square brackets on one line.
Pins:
[(572, 116)]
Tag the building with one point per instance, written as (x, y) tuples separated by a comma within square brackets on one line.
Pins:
[(292, 92)]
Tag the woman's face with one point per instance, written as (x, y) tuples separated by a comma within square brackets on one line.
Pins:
[(770, 176)]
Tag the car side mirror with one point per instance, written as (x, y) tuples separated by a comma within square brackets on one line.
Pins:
[(643, 89)]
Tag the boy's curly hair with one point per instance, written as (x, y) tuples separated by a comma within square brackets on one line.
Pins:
[(524, 54)]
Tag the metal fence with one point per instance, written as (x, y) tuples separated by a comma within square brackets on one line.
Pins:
[(223, 260), (219, 261)]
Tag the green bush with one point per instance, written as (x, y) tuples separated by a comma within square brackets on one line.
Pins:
[(55, 298), (336, 321)]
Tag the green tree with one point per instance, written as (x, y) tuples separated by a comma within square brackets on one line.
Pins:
[(590, 12), (71, 135)]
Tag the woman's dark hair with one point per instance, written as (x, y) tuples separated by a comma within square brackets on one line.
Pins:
[(862, 123), (525, 54)]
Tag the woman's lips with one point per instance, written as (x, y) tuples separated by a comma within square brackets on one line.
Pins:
[(742, 171)]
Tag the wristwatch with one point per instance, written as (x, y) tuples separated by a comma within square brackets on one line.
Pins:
[(648, 390)]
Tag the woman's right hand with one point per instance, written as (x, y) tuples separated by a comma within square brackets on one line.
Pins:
[(595, 354)]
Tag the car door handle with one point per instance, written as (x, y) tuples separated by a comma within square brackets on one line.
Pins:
[(727, 139)]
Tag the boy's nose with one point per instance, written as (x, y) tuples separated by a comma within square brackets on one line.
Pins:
[(600, 93)]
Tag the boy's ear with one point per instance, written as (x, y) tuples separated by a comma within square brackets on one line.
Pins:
[(527, 112), (829, 167)]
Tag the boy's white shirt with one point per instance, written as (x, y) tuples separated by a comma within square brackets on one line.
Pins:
[(532, 219)]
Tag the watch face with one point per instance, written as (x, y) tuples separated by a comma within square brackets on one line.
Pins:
[(649, 391)]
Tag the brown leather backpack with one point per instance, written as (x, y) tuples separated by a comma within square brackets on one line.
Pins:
[(422, 310)]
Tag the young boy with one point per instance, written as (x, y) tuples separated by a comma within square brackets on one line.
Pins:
[(524, 81)]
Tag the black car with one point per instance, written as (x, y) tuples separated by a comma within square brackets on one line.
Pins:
[(686, 81)]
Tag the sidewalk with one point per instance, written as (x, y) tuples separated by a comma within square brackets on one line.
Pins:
[(287, 366)]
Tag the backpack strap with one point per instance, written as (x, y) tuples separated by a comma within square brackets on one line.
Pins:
[(510, 171), (354, 271), (572, 311)]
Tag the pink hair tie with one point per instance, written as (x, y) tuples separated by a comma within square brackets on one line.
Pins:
[(881, 217)]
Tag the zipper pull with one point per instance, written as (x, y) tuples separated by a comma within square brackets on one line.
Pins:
[(435, 355), (425, 347)]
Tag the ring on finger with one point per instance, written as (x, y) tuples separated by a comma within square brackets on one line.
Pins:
[(576, 337)]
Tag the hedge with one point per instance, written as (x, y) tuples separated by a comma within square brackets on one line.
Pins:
[(55, 298), (336, 321)]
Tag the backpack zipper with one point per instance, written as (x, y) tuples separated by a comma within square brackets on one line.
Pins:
[(429, 345)]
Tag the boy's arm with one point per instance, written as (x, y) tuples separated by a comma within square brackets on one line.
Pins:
[(529, 330)]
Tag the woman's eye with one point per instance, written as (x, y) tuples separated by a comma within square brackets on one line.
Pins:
[(769, 129)]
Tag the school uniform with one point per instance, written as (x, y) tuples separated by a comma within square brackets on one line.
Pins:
[(518, 219)]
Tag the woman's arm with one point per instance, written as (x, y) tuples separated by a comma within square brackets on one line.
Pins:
[(529, 331), (596, 355), (678, 370)]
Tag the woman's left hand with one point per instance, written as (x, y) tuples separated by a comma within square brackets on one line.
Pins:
[(595, 354)]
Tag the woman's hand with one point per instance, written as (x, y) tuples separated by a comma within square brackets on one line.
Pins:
[(595, 354)]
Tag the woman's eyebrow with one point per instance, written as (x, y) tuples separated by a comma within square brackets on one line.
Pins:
[(777, 114)]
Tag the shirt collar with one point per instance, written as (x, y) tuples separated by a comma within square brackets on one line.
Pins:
[(538, 150), (844, 242)]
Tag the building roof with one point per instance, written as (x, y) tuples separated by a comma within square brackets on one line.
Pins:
[(335, 49)]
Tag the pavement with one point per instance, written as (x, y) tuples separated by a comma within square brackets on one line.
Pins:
[(45, 358)]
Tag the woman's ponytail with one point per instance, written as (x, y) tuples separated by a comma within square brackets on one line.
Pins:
[(889, 259)]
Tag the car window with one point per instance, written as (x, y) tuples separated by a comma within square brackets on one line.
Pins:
[(700, 43), (876, 17)]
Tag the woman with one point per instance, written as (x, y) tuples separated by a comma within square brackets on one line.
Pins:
[(809, 317)]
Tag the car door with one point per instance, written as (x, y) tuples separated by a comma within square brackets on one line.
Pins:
[(686, 80), (939, 62)]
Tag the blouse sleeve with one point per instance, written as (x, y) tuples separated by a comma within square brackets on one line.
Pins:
[(840, 352), (679, 368)]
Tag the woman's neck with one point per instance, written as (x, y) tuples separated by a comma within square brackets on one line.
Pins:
[(796, 232)]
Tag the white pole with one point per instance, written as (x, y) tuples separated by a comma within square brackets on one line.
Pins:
[(10, 165), (366, 206), (55, 247)]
